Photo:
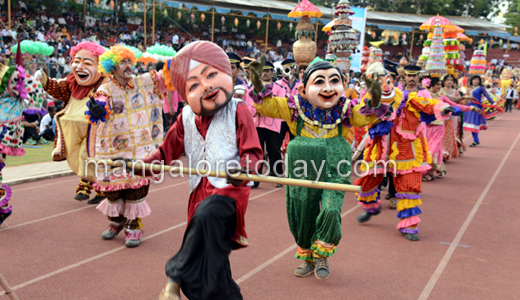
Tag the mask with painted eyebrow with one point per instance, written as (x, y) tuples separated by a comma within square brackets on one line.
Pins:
[(324, 88), (86, 74)]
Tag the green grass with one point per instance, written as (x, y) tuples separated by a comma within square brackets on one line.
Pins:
[(32, 155)]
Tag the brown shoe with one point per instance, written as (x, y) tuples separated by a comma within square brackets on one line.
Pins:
[(393, 203)]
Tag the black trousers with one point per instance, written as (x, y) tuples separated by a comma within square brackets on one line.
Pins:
[(201, 267), (270, 140), (31, 133), (509, 105), (48, 134), (283, 131)]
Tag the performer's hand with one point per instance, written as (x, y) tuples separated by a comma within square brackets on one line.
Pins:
[(95, 108), (231, 173), (374, 89), (447, 110), (40, 75), (257, 68), (478, 110)]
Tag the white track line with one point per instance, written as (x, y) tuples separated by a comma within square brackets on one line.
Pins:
[(39, 186), (78, 209), (80, 263), (46, 218), (281, 254), (491, 122), (442, 265)]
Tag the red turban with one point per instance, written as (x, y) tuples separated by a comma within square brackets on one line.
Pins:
[(202, 51)]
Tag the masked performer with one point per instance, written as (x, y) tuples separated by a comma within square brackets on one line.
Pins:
[(398, 146), (72, 127), (269, 128), (126, 122), (14, 99), (319, 117), (289, 88), (214, 130)]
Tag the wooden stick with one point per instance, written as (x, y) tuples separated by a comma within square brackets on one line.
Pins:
[(248, 177), (8, 30), (7, 288)]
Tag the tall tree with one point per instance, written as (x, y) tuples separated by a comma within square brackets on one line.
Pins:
[(513, 15)]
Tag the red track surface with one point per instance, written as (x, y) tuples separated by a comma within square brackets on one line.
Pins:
[(51, 247)]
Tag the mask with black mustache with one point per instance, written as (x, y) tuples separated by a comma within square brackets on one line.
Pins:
[(205, 112)]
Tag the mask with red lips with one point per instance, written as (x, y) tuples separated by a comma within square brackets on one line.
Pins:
[(323, 85), (208, 90), (85, 68)]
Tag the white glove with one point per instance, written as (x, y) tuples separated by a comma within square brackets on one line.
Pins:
[(39, 75)]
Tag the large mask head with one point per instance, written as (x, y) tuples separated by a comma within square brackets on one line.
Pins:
[(322, 85), (85, 63), (288, 68), (13, 81), (201, 74), (387, 86)]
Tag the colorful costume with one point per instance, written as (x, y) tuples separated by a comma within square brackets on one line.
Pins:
[(71, 126), (453, 145), (214, 137), (131, 127), (474, 121), (436, 132), (14, 98), (268, 130), (289, 90), (320, 139), (398, 146)]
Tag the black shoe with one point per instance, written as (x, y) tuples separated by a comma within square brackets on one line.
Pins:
[(474, 144), (365, 216), (95, 200), (81, 197), (4, 216)]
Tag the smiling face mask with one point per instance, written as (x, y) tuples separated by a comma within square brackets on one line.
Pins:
[(323, 87), (85, 68)]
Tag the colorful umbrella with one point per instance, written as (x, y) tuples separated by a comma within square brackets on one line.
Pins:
[(453, 28), (329, 25), (462, 37), (430, 23), (305, 8)]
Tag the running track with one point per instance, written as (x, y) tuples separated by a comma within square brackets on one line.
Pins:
[(51, 247)]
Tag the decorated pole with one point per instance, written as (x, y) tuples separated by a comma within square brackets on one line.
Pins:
[(9, 14), (316, 36), (304, 48), (153, 22), (85, 14), (266, 30), (411, 46), (144, 23), (245, 177), (212, 24)]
